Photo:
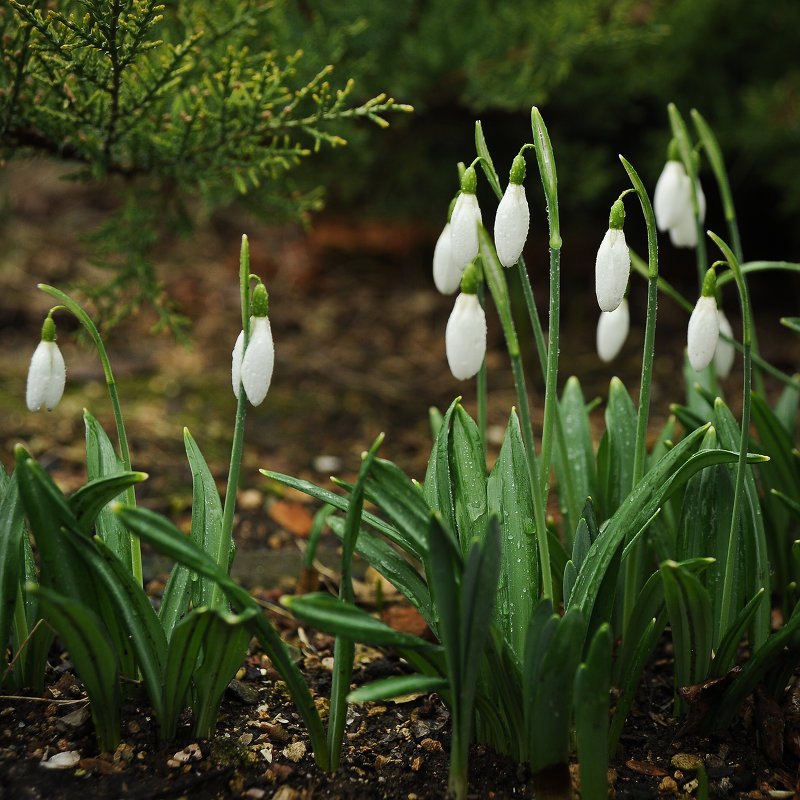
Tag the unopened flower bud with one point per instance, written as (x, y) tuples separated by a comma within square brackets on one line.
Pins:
[(47, 372), (465, 337), (613, 263), (464, 222), (252, 368), (446, 275), (703, 331), (725, 352), (512, 220), (612, 330)]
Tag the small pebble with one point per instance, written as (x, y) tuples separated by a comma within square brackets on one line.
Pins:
[(66, 760)]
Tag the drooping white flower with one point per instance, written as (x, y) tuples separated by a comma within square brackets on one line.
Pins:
[(671, 195), (47, 372), (725, 352), (252, 367), (684, 232), (464, 222), (513, 217), (703, 332), (465, 336), (612, 330), (613, 264), (446, 275)]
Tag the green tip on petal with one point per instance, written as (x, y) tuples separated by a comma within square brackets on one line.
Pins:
[(517, 174), (710, 283), (616, 219), (673, 151), (469, 180), (260, 302), (48, 329), (471, 278)]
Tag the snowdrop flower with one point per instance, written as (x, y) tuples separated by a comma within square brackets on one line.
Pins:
[(612, 330), (670, 196), (446, 275), (613, 264), (252, 368), (464, 222), (513, 217), (703, 332), (465, 336), (684, 232), (47, 372), (725, 352)]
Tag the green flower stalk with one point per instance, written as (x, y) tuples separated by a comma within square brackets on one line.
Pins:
[(47, 372)]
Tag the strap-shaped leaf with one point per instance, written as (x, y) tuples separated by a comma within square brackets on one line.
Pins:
[(224, 647), (616, 473), (689, 612), (12, 529), (468, 469), (509, 498), (94, 657), (166, 538), (725, 654), (327, 613), (397, 686), (592, 685), (549, 719), (438, 486), (206, 522), (102, 461), (88, 502)]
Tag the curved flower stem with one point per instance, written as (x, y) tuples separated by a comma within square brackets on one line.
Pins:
[(223, 556), (111, 384), (633, 568), (714, 154), (497, 286), (547, 172), (726, 611)]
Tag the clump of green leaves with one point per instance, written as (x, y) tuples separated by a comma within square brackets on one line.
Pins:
[(164, 104)]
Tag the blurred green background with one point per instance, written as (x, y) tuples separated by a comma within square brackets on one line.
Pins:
[(601, 71)]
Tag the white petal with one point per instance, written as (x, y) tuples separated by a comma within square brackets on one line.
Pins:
[(703, 333), (670, 196), (725, 352), (465, 337), (236, 363), (446, 275), (46, 377), (684, 232), (464, 230), (612, 330), (612, 269), (258, 361), (511, 224)]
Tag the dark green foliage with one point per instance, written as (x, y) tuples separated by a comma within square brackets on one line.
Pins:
[(166, 103)]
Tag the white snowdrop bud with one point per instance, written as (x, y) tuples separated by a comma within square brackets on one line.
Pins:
[(513, 217), (703, 331), (612, 330), (465, 337), (725, 352), (446, 275), (684, 232), (613, 263), (464, 222), (671, 195), (47, 372), (252, 367)]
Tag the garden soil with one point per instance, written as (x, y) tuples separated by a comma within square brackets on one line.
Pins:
[(358, 332)]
